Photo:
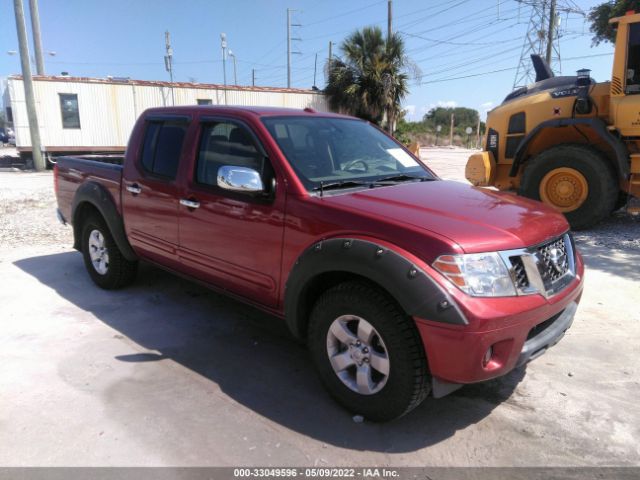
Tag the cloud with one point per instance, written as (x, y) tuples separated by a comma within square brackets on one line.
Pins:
[(486, 106), (446, 104), (439, 103), (410, 110)]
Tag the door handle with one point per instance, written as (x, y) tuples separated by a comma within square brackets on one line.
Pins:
[(189, 203), (134, 188)]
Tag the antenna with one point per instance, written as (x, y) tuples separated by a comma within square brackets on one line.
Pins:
[(168, 62)]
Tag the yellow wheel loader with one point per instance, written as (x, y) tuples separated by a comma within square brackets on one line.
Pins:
[(569, 141)]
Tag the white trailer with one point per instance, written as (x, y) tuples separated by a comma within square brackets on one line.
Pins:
[(88, 115)]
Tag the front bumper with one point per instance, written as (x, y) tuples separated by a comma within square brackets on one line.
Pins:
[(456, 354), (546, 338)]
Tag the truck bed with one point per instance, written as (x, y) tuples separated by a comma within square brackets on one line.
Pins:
[(72, 171)]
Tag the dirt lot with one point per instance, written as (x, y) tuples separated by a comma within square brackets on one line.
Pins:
[(167, 373)]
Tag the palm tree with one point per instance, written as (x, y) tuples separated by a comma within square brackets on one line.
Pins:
[(371, 78)]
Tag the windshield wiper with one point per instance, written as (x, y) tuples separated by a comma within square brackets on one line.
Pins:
[(403, 178), (343, 184)]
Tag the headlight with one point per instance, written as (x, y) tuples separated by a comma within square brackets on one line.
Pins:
[(477, 274)]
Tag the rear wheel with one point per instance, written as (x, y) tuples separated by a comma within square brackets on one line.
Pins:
[(105, 263), (368, 352), (576, 180)]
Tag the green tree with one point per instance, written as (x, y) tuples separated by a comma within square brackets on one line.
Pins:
[(370, 80), (600, 15), (463, 118)]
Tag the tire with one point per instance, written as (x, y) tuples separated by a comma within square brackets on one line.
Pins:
[(587, 176), (394, 335), (111, 270)]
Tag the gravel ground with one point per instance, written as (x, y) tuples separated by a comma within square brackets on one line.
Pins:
[(27, 209), (621, 231)]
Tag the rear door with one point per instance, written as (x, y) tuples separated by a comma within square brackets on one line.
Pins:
[(151, 190), (231, 239)]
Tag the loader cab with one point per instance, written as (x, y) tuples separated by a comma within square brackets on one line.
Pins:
[(625, 79)]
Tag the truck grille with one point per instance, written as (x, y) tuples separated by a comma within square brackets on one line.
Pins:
[(545, 269), (554, 262), (519, 273)]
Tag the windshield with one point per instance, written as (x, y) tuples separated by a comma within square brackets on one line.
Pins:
[(342, 151)]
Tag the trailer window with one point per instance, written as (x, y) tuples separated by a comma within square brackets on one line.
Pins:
[(69, 110), (204, 101), (162, 148)]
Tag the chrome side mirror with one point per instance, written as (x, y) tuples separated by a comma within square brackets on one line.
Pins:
[(239, 179)]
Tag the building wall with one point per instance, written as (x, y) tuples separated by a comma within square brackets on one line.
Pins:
[(109, 110)]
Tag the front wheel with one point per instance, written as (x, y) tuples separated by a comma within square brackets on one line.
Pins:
[(368, 352), (105, 263), (575, 180)]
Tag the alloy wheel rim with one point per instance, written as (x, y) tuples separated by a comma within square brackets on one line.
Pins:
[(358, 355), (98, 252)]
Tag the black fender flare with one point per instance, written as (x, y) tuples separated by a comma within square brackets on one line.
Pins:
[(620, 162), (415, 291), (99, 197)]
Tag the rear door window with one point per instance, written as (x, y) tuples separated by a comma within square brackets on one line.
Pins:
[(162, 147)]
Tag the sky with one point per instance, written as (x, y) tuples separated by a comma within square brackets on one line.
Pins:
[(466, 51)]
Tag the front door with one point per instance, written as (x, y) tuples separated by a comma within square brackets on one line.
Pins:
[(232, 240)]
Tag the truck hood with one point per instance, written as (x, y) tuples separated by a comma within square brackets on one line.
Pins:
[(477, 219)]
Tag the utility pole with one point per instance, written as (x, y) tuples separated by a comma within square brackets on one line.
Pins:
[(168, 62), (288, 48), (387, 79), (223, 43), (389, 18), (551, 31), (289, 39), (453, 116), (235, 72), (329, 60), (478, 132), (34, 131), (37, 38), (253, 77), (315, 68)]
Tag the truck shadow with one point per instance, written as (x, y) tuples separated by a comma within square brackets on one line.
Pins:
[(612, 246), (252, 358)]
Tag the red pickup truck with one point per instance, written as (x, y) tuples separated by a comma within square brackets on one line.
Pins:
[(400, 283)]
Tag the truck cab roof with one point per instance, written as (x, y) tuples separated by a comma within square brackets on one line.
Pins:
[(255, 110)]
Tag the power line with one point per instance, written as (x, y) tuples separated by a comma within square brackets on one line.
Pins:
[(459, 36), (438, 42), (344, 14), (474, 29), (508, 69), (433, 14), (472, 62)]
